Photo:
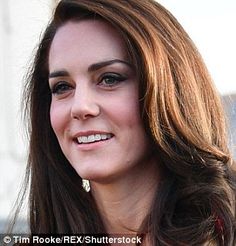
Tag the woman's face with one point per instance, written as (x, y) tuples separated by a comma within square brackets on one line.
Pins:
[(95, 105)]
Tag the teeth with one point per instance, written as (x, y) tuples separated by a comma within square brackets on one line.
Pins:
[(97, 137), (93, 138), (84, 139)]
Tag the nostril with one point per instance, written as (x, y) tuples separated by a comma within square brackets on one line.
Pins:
[(85, 111)]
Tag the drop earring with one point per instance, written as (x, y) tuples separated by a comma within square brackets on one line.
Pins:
[(86, 185)]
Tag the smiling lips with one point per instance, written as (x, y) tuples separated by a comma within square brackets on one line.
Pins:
[(86, 139)]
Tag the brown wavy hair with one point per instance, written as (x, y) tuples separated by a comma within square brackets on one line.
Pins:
[(195, 203)]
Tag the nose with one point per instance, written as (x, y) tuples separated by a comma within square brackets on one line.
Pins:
[(84, 105)]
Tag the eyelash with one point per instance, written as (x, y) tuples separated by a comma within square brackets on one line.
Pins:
[(117, 78), (63, 86)]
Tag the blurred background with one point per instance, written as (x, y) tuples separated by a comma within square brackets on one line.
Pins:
[(211, 25)]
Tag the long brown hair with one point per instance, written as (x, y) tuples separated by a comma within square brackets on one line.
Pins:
[(195, 202)]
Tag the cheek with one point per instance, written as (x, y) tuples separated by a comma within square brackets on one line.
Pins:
[(57, 118), (125, 109)]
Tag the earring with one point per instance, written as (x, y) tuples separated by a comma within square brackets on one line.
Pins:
[(86, 185)]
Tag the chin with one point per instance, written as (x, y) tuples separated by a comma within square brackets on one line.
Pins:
[(100, 176), (93, 175)]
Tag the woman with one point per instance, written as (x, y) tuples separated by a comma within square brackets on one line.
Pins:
[(119, 95)]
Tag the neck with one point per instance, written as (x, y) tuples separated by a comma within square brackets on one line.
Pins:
[(124, 203)]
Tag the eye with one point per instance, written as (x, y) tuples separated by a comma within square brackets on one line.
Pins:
[(61, 88), (111, 79)]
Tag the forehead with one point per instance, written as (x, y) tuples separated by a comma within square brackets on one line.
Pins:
[(86, 41)]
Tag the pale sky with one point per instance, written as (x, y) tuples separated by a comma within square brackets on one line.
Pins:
[(212, 26)]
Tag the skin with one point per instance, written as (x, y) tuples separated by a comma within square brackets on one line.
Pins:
[(95, 89)]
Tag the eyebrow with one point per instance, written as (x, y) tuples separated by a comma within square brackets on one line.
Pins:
[(61, 73), (91, 68), (102, 64)]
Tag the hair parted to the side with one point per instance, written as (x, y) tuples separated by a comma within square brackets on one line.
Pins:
[(195, 203)]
